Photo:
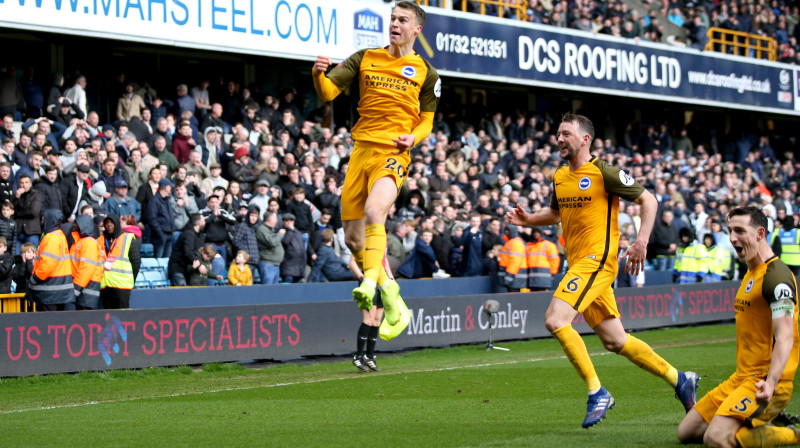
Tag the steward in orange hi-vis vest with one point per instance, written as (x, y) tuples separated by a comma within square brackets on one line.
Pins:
[(87, 264), (50, 286)]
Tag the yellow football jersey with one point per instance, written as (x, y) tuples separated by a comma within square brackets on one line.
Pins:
[(588, 201), (754, 335), (393, 92)]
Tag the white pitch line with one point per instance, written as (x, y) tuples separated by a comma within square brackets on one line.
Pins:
[(297, 383)]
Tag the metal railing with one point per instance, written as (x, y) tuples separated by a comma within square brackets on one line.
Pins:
[(517, 8), (742, 44), (15, 303)]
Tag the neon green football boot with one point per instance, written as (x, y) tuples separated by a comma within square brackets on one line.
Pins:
[(389, 294)]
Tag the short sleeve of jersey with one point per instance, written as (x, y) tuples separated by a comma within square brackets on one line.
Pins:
[(431, 90), (779, 283), (619, 182), (343, 74)]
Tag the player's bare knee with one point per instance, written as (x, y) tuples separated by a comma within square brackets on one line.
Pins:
[(613, 345), (552, 323), (375, 214), (716, 438)]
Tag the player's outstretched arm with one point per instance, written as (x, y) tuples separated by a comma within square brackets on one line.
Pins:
[(783, 328), (637, 252), (325, 88), (544, 217)]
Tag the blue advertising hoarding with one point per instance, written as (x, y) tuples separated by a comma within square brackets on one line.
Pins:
[(476, 47)]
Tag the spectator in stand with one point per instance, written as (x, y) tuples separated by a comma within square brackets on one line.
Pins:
[(472, 262), (298, 208), (242, 170), (664, 242), (28, 203), (183, 206), (49, 190), (33, 169), (111, 174), (6, 183), (161, 220), (121, 203), (185, 253), (213, 119), (217, 222), (164, 156), (421, 262), (270, 248), (244, 234), (294, 260), (210, 146), (8, 226), (328, 266), (239, 274), (183, 143), (200, 270), (130, 104), (6, 127), (184, 101), (23, 267), (214, 180), (6, 267)]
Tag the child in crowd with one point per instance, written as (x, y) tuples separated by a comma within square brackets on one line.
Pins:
[(201, 268), (239, 274), (6, 267), (8, 227), (23, 269)]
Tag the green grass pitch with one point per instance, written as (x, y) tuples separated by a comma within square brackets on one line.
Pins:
[(462, 396)]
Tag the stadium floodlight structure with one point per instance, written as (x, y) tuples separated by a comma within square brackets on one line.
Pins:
[(491, 307)]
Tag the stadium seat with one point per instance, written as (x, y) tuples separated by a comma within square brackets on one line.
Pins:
[(157, 279), (141, 282), (147, 250), (256, 275), (150, 264), (163, 262)]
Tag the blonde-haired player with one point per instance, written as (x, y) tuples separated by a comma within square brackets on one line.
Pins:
[(399, 94)]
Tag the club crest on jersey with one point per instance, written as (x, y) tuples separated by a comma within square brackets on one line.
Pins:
[(584, 183), (783, 292), (749, 286), (409, 71), (625, 178)]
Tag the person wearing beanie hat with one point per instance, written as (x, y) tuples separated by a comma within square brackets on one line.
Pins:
[(384, 135), (242, 170)]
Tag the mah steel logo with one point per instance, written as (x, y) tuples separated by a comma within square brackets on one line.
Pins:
[(367, 29)]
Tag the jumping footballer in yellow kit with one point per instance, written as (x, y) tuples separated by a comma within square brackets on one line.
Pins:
[(399, 95), (743, 409), (585, 200)]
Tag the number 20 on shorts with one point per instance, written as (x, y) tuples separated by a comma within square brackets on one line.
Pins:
[(393, 165)]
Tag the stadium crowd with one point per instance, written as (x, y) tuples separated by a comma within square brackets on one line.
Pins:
[(775, 19), (260, 179)]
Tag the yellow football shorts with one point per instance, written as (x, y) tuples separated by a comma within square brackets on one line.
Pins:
[(589, 291), (369, 162), (736, 398)]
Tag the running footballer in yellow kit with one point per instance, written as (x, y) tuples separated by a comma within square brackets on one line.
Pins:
[(742, 410), (399, 93), (585, 200)]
